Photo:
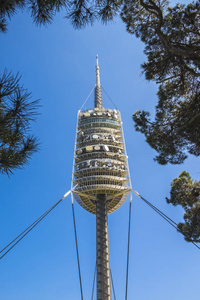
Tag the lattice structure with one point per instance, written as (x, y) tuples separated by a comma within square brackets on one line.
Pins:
[(101, 181)]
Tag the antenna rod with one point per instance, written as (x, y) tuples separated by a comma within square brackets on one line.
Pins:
[(97, 72), (98, 102)]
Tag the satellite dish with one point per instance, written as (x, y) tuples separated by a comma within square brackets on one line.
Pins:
[(79, 151), (97, 148), (105, 147), (89, 148)]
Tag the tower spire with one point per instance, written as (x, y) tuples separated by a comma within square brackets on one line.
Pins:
[(97, 71), (98, 102)]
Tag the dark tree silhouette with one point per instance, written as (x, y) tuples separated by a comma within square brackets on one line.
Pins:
[(186, 192), (16, 113)]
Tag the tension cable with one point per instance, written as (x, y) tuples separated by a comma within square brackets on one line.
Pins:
[(169, 220), (112, 282), (109, 98), (95, 270), (77, 252), (87, 98), (28, 229), (128, 248)]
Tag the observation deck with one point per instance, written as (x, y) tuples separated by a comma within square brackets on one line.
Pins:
[(100, 165)]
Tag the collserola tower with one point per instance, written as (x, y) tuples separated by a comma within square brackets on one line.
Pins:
[(101, 180)]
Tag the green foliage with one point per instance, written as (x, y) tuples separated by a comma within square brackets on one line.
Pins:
[(175, 129), (7, 9), (186, 192), (80, 12), (16, 113), (42, 11), (171, 36)]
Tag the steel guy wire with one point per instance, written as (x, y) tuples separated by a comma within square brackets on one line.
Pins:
[(28, 229), (169, 220)]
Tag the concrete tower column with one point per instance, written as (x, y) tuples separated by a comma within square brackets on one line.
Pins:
[(102, 250)]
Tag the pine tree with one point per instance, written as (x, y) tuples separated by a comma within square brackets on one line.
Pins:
[(42, 11), (172, 47), (16, 113), (186, 192)]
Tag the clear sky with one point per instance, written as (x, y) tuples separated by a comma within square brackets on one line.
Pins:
[(57, 65)]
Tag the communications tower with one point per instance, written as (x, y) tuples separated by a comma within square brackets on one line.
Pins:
[(101, 180)]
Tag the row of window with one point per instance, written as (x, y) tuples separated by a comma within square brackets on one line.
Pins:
[(99, 172), (103, 182), (101, 130), (102, 154), (99, 163), (100, 148), (98, 125), (105, 177), (99, 113), (88, 170), (96, 137), (98, 120)]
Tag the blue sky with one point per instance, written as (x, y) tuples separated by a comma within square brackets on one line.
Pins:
[(57, 65)]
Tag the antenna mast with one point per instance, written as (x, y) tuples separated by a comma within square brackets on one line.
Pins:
[(100, 175)]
